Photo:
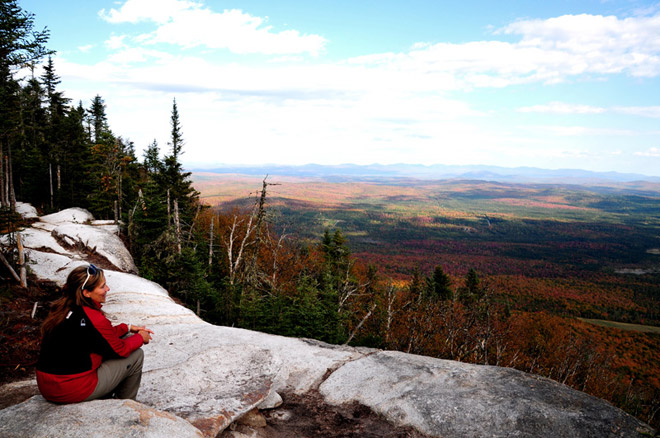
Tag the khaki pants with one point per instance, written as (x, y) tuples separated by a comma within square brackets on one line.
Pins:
[(119, 377)]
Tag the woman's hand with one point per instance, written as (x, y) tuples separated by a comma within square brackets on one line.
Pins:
[(142, 331), (137, 328), (146, 335)]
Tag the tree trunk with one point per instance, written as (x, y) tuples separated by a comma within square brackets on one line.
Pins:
[(50, 182), (119, 195), (177, 225), (21, 260), (211, 245), (3, 200), (192, 226), (357, 328), (8, 266), (10, 177), (5, 192), (169, 213)]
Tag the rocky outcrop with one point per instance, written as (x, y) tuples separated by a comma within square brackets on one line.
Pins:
[(453, 399), (209, 376), (36, 418)]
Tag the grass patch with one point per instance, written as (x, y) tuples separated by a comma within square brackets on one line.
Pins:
[(623, 326)]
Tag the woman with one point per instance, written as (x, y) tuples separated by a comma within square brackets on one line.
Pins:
[(83, 357)]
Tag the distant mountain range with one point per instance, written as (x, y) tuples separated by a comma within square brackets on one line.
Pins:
[(436, 171)]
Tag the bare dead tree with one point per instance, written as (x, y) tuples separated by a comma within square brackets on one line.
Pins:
[(275, 248), (9, 268), (235, 258), (390, 297), (192, 225), (359, 326), (169, 213), (211, 244), (259, 214), (177, 226)]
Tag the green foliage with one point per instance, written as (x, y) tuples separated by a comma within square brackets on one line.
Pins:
[(20, 43), (439, 285)]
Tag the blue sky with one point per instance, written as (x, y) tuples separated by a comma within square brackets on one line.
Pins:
[(561, 84)]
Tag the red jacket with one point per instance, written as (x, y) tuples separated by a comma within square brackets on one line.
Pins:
[(72, 352)]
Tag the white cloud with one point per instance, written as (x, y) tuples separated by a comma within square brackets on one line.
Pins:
[(387, 107), (596, 44), (132, 55), (562, 108), (643, 111), (159, 11), (570, 108), (549, 51), (189, 24), (587, 131), (86, 48), (651, 152), (115, 42)]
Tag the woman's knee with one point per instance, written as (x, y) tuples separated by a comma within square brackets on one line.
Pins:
[(138, 357)]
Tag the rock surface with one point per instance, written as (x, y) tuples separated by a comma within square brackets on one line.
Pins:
[(211, 376), (447, 398), (36, 418)]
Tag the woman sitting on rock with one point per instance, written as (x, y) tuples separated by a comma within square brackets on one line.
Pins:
[(83, 356)]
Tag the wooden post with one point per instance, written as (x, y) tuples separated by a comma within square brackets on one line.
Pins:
[(21, 260)]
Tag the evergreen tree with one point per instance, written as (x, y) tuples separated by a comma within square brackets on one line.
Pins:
[(20, 46), (472, 291), (439, 285), (152, 163), (50, 79), (55, 144), (174, 178), (98, 119), (77, 161), (30, 166)]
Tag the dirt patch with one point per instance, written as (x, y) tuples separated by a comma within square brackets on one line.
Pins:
[(308, 416), (14, 393), (19, 331)]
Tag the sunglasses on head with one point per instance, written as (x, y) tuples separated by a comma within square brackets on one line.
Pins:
[(91, 270)]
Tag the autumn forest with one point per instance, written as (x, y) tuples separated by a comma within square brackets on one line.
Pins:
[(553, 279)]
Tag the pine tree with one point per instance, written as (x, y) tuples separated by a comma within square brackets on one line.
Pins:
[(152, 163), (439, 285), (77, 161), (20, 46), (175, 179), (30, 165), (99, 120), (55, 143)]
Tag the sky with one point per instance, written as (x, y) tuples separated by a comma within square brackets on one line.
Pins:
[(570, 84)]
